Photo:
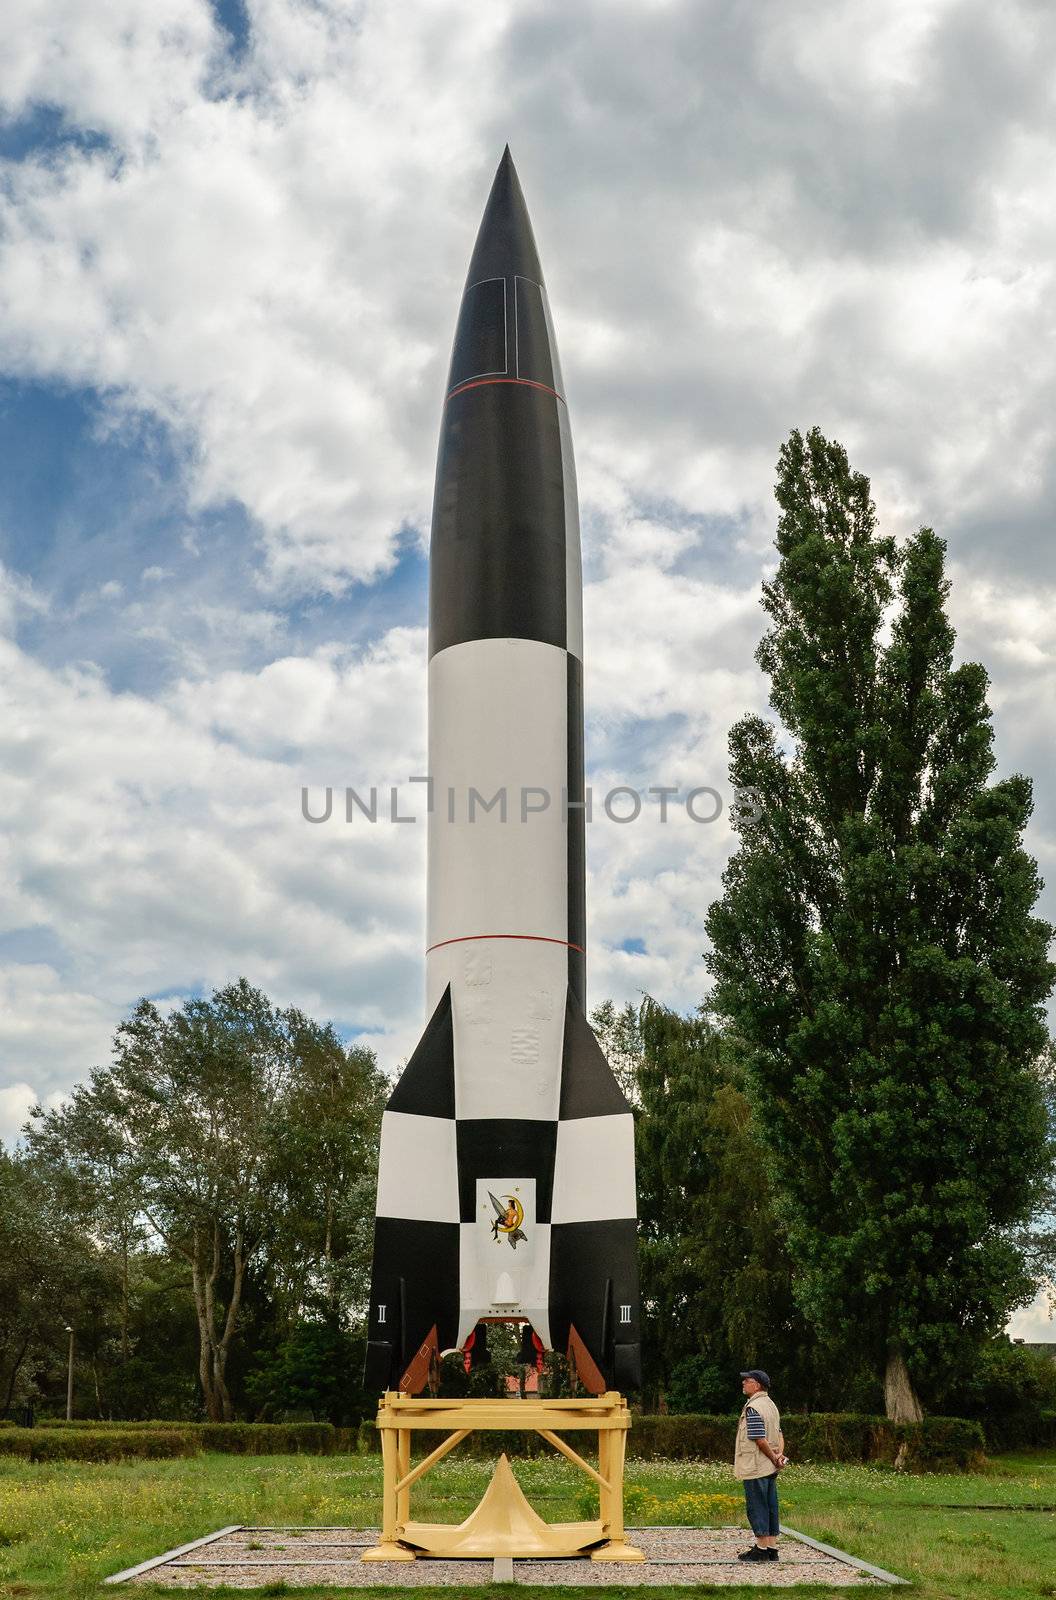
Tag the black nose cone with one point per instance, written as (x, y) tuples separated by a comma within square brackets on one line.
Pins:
[(504, 507), (505, 246)]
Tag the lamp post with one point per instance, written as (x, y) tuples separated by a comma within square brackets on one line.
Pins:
[(69, 1378)]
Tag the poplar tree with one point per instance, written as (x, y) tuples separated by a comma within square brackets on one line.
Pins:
[(876, 946)]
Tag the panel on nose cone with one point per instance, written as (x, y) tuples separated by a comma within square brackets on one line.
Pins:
[(481, 336), (533, 356)]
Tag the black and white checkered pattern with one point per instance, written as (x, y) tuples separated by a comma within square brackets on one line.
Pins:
[(438, 1261)]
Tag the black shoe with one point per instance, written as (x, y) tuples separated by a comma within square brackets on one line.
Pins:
[(756, 1553), (772, 1554)]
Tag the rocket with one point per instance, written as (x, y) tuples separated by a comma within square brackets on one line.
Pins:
[(506, 1188)]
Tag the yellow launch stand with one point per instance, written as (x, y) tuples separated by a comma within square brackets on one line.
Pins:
[(503, 1524)]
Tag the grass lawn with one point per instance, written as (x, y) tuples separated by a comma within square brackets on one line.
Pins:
[(63, 1527)]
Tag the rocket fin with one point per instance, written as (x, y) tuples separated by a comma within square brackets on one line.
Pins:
[(588, 1085), (414, 1279), (416, 1377), (426, 1086), (588, 1372), (594, 1300)]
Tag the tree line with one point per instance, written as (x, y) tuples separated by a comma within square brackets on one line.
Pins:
[(199, 1212), (845, 1160)]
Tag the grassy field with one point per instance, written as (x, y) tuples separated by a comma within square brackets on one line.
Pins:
[(65, 1526)]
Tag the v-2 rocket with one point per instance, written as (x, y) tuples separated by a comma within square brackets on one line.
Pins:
[(506, 1187)]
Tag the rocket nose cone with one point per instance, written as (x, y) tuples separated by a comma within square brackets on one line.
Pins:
[(505, 246)]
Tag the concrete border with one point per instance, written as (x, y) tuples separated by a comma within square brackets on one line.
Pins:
[(502, 1569), (159, 1561), (281, 1561), (314, 1544), (841, 1555)]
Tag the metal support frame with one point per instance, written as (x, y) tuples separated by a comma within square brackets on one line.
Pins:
[(504, 1524)]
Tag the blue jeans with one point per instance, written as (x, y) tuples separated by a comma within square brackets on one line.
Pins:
[(760, 1498)]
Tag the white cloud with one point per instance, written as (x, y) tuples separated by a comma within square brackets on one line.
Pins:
[(858, 49), (1007, 624), (96, 598), (51, 1034), (106, 72), (163, 843), (1035, 1323), (267, 254), (16, 1102), (18, 597), (247, 268), (752, 218)]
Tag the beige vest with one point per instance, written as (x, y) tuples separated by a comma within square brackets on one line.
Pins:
[(748, 1460)]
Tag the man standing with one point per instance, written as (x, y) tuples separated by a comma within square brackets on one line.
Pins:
[(758, 1458)]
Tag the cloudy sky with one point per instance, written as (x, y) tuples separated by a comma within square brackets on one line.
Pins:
[(232, 244)]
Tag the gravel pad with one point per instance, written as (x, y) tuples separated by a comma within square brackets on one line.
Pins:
[(253, 1558)]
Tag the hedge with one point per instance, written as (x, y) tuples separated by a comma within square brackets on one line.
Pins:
[(268, 1438), (936, 1444), (93, 1441), (231, 1438), (97, 1444), (1021, 1430), (111, 1424)]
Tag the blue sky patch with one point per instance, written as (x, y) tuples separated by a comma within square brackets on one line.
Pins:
[(233, 17), (93, 511), (44, 130)]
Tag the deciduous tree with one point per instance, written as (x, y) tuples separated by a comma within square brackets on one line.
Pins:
[(715, 1272), (226, 1127)]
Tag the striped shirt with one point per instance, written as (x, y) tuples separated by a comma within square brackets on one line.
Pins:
[(756, 1425)]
